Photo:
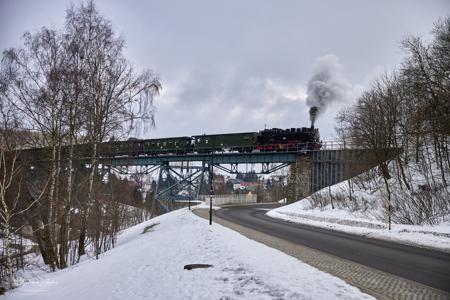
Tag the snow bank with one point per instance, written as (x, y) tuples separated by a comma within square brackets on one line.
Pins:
[(150, 266), (365, 224)]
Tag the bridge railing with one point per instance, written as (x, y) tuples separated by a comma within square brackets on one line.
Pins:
[(82, 153), (278, 147), (336, 145), (230, 199), (300, 147)]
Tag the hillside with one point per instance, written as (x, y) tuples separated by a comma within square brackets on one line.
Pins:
[(365, 214), (150, 266)]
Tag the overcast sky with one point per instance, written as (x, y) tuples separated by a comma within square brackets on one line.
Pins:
[(230, 66)]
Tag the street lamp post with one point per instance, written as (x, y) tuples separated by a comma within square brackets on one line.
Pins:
[(211, 190)]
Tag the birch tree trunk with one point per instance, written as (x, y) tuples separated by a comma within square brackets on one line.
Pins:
[(88, 206)]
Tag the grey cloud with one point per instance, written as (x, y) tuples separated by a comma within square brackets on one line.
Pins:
[(237, 65), (230, 102)]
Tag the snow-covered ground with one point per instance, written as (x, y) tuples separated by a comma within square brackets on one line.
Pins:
[(363, 221), (150, 266)]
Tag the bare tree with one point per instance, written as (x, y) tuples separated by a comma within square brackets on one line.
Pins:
[(73, 86), (35, 90), (12, 205), (410, 109), (114, 96)]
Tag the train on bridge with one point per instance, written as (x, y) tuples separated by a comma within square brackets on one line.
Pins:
[(268, 140)]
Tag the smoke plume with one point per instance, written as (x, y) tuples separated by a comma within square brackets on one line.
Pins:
[(326, 86)]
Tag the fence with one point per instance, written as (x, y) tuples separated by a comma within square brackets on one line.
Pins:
[(230, 199)]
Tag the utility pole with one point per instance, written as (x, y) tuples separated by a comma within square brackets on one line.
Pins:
[(190, 184)]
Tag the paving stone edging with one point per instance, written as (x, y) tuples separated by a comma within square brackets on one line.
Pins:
[(377, 283)]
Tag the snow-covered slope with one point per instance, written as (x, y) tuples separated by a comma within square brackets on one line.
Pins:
[(363, 220), (150, 266)]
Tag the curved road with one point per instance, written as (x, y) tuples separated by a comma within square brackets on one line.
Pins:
[(428, 267)]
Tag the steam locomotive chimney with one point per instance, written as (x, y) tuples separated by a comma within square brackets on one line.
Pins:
[(313, 115)]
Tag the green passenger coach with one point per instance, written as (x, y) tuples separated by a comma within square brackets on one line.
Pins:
[(165, 145), (241, 142)]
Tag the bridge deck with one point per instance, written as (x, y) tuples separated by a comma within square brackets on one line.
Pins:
[(217, 158), (365, 156)]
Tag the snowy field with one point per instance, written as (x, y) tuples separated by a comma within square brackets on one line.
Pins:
[(150, 266), (364, 222)]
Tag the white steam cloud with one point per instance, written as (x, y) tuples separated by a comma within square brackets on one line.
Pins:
[(326, 86)]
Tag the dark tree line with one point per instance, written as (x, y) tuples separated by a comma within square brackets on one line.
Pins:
[(65, 87), (409, 108)]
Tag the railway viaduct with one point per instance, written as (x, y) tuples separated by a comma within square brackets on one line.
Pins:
[(310, 170)]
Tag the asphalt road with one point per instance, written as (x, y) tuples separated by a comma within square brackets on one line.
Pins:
[(428, 267)]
